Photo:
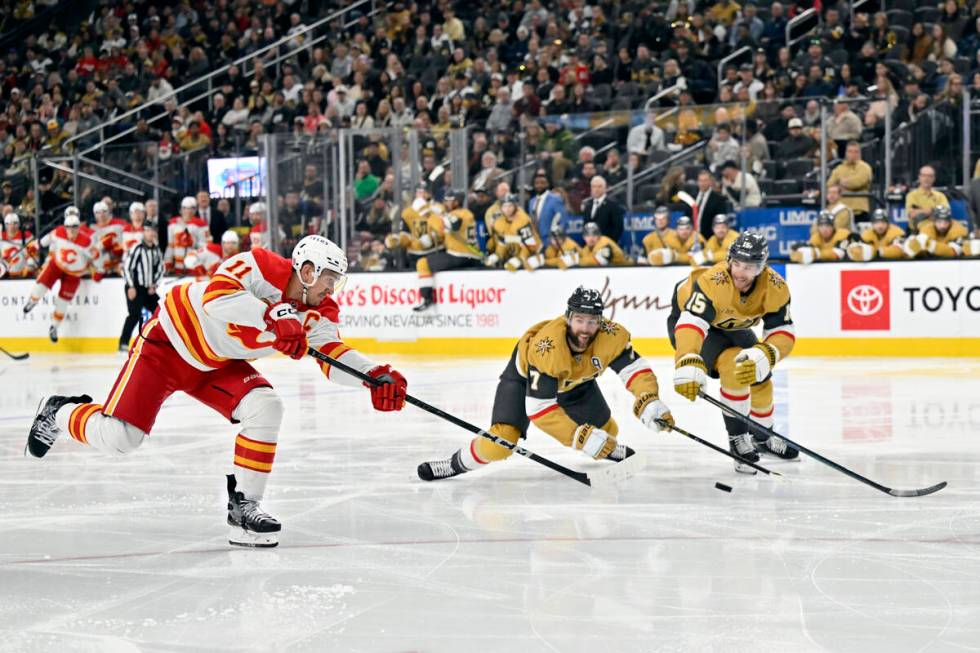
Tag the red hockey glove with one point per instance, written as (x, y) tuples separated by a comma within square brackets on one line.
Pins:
[(390, 395), (97, 277), (281, 319)]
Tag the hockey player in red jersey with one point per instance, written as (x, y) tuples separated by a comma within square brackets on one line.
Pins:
[(133, 232), (185, 233), (199, 342), (108, 236), (204, 262), (71, 255), (18, 249)]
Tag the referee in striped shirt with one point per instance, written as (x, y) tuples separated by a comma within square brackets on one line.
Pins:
[(142, 271)]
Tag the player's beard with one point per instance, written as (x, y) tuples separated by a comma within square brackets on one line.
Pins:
[(580, 341)]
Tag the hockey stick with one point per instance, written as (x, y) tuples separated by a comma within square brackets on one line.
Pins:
[(603, 478), (754, 425), (16, 357), (734, 457)]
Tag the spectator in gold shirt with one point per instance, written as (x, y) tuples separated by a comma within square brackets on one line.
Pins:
[(920, 201), (854, 176)]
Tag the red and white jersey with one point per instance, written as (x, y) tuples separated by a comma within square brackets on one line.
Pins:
[(215, 321), (71, 256), (109, 243), (204, 262), (183, 237), (18, 253), (131, 237)]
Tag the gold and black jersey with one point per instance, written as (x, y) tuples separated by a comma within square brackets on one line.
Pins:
[(717, 250), (460, 234), (511, 235), (568, 255), (604, 252), (422, 228), (544, 358), (682, 249), (708, 299), (658, 240), (871, 237)]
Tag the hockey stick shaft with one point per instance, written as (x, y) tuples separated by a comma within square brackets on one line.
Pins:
[(452, 419), (756, 426), (16, 357), (734, 457)]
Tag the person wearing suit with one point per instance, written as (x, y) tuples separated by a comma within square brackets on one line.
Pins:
[(546, 208), (973, 204), (215, 219), (709, 203), (608, 214)]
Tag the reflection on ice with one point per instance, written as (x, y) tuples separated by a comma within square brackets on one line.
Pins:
[(130, 554)]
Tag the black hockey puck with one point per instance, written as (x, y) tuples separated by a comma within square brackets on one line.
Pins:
[(723, 487)]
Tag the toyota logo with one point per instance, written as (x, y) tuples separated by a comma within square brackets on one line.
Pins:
[(865, 300)]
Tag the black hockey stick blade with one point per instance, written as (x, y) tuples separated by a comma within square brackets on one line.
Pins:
[(710, 445), (759, 428), (918, 493), (609, 476), (16, 357)]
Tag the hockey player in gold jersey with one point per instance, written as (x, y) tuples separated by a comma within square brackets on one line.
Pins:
[(716, 249), (601, 250), (679, 245), (827, 243), (941, 237), (550, 380), (517, 242), (462, 249), (882, 240), (710, 326), (654, 243), (421, 229), (562, 252)]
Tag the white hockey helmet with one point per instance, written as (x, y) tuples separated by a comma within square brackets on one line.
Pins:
[(72, 210), (229, 237), (188, 203), (323, 254), (136, 206), (11, 218), (257, 207), (72, 220), (100, 207)]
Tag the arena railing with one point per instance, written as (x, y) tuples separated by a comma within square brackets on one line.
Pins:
[(209, 79)]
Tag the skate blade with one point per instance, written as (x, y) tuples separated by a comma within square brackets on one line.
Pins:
[(241, 537), (742, 468), (773, 459)]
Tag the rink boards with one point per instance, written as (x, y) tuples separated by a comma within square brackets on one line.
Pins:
[(928, 308)]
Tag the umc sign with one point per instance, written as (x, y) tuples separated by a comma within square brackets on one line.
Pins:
[(865, 300)]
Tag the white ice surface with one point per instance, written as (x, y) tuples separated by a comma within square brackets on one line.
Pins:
[(126, 554)]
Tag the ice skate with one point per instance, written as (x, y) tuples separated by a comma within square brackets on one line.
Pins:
[(741, 445), (438, 469), (53, 333), (44, 430), (620, 453), (250, 526), (29, 306), (776, 447)]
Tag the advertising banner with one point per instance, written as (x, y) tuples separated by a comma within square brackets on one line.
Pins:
[(927, 308)]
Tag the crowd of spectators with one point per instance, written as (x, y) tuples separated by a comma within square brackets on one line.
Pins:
[(500, 69)]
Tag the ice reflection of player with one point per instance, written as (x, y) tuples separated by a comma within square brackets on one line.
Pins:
[(551, 380)]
